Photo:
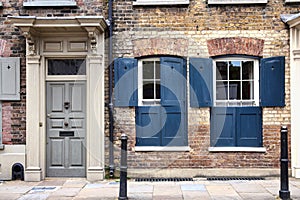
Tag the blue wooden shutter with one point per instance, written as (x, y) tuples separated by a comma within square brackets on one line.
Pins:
[(174, 132), (148, 126), (223, 126), (272, 90), (173, 81), (249, 126), (201, 82), (126, 83), (9, 78), (173, 101)]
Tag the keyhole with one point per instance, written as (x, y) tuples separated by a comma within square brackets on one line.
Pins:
[(172, 67), (8, 67), (272, 68)]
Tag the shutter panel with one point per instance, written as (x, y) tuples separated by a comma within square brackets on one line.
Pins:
[(10, 79), (173, 81), (148, 126), (173, 101), (201, 82), (174, 131), (223, 123), (126, 82), (272, 90), (249, 127)]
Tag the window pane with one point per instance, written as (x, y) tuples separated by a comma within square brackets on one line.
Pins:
[(157, 90), (234, 70), (247, 70), (221, 72), (148, 90), (221, 92), (66, 67), (247, 90), (157, 70), (234, 90), (148, 69)]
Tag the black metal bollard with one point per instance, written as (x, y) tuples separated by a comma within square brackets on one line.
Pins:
[(284, 192), (123, 168)]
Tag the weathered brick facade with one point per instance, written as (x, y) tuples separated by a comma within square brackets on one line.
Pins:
[(203, 30), (194, 30)]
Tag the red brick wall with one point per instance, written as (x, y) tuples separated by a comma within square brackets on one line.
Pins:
[(235, 45)]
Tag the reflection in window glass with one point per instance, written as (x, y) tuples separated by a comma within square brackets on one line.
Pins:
[(66, 67), (235, 82), (151, 80)]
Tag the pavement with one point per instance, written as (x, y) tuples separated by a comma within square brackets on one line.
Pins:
[(198, 189)]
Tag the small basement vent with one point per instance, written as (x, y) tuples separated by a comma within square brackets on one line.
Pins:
[(235, 178), (162, 179)]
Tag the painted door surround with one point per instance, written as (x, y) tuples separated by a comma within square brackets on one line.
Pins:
[(293, 20), (63, 37)]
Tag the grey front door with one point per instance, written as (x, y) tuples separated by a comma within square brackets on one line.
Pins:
[(66, 129)]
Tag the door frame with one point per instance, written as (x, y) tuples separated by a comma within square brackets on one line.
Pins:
[(36, 80)]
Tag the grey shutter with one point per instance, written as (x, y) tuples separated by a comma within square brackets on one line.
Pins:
[(9, 79)]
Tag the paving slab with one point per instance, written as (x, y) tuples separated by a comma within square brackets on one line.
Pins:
[(14, 189), (256, 196), (168, 197), (53, 182), (165, 190), (193, 187), (140, 196), (226, 197), (220, 189), (140, 188), (9, 196), (195, 195), (98, 193), (66, 192), (75, 183), (41, 196), (248, 188)]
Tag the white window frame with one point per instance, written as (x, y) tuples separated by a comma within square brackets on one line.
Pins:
[(141, 101), (50, 3), (255, 79), (161, 2), (220, 2)]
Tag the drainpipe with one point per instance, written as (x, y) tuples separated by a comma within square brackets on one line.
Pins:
[(110, 106)]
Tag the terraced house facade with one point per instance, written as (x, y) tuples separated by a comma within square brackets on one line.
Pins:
[(201, 88)]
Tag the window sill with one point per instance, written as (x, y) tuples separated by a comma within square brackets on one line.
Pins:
[(50, 4), (154, 148), (292, 1), (156, 2), (237, 149), (218, 2)]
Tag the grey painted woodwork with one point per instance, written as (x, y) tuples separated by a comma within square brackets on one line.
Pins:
[(66, 129), (10, 79)]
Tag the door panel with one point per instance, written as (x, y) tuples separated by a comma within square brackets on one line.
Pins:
[(66, 129)]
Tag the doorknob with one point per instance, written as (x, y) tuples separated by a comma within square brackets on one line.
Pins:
[(66, 124), (67, 105)]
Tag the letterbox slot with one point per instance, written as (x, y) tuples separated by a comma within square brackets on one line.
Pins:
[(66, 133)]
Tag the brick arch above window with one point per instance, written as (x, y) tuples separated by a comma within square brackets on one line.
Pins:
[(160, 46), (235, 45)]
